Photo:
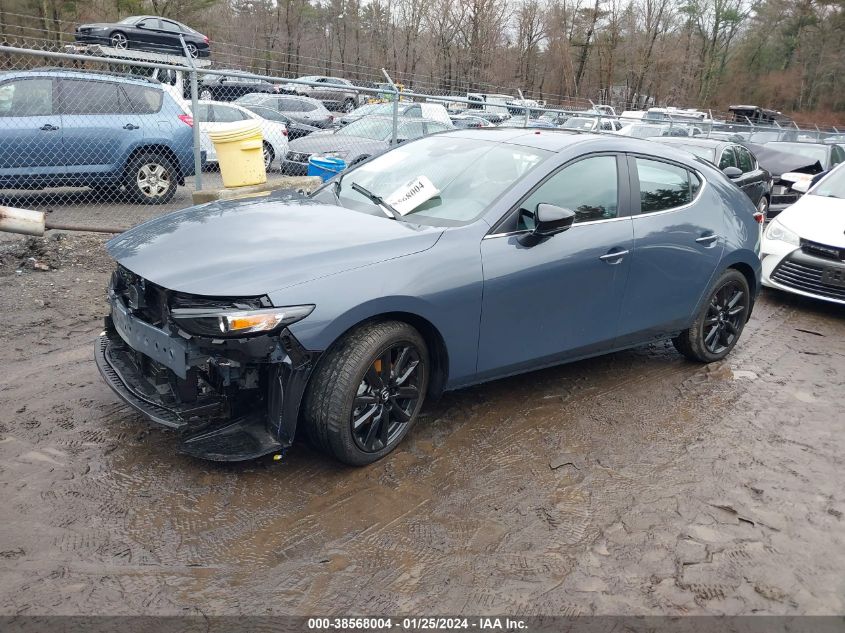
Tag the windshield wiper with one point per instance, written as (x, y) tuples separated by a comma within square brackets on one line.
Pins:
[(336, 188), (389, 211)]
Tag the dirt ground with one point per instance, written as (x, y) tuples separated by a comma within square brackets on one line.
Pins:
[(633, 483)]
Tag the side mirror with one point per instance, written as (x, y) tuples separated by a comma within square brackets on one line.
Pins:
[(549, 220), (732, 172)]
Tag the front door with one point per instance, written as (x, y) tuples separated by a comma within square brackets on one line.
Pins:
[(31, 138), (560, 298)]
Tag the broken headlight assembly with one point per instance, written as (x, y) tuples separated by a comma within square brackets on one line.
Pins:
[(230, 322)]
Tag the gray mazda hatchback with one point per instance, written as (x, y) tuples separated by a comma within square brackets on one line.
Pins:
[(451, 260)]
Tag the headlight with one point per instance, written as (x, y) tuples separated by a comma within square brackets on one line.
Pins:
[(779, 233), (231, 322)]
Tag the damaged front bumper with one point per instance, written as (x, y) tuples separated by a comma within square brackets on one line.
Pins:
[(229, 399)]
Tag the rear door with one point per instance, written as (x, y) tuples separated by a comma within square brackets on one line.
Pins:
[(98, 124), (30, 128), (752, 181), (678, 243)]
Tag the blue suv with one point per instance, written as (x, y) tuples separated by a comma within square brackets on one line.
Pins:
[(66, 128)]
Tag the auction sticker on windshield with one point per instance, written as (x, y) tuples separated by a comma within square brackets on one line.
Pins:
[(412, 194)]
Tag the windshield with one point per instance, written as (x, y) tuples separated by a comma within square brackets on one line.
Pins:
[(832, 186), (813, 152), (464, 176), (579, 123), (375, 129)]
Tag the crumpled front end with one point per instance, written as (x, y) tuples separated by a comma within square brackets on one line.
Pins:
[(230, 399)]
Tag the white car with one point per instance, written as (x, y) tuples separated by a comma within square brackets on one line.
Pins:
[(803, 248), (215, 116)]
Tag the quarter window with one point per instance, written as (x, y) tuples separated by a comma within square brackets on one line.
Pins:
[(589, 188), (663, 186), (143, 100)]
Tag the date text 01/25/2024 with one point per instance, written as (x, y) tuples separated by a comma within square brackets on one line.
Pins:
[(416, 624)]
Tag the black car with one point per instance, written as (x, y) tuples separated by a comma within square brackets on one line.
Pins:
[(295, 128), (809, 158), (145, 32), (738, 163), (217, 87)]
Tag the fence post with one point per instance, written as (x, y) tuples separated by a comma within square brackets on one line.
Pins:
[(524, 108), (195, 117), (395, 108)]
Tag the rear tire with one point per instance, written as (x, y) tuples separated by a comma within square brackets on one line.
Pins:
[(269, 156), (367, 392), (151, 178), (349, 105), (719, 322)]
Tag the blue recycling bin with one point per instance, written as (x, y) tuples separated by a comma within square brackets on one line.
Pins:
[(325, 166)]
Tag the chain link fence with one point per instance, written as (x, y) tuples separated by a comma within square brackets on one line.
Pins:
[(102, 134)]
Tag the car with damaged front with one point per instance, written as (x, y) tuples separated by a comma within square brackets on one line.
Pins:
[(450, 260)]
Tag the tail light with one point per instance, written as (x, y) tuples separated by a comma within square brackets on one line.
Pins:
[(205, 38), (187, 119), (284, 131), (760, 217), (331, 118)]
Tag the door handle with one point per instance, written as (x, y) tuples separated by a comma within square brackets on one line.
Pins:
[(609, 257), (131, 126), (707, 239), (48, 127)]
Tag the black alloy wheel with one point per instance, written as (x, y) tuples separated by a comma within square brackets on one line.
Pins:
[(719, 322), (726, 314), (386, 398), (367, 391)]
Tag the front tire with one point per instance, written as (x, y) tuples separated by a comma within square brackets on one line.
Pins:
[(119, 40), (367, 392), (719, 322), (348, 105), (151, 179)]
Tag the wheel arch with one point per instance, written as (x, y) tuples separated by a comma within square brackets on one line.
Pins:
[(435, 343)]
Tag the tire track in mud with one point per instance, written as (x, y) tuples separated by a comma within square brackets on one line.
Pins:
[(467, 515)]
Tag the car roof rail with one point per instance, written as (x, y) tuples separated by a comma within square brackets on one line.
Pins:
[(87, 71)]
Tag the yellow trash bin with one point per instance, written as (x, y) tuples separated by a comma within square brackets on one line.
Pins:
[(240, 154)]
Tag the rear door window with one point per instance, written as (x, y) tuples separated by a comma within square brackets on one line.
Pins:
[(305, 106), (728, 158), (26, 97), (746, 162), (91, 97), (225, 114), (663, 186)]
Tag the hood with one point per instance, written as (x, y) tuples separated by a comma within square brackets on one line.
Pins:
[(319, 143), (253, 247), (777, 162), (818, 219)]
